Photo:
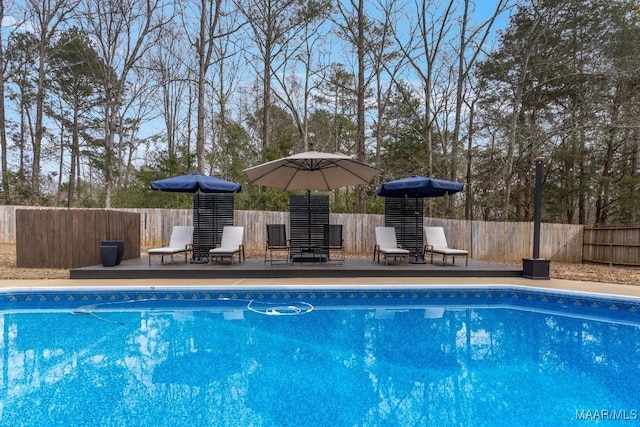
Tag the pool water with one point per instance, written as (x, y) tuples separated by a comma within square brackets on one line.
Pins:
[(400, 357)]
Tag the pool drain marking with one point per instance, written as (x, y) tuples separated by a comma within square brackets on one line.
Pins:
[(280, 310)]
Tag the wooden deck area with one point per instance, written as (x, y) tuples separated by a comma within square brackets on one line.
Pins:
[(253, 268)]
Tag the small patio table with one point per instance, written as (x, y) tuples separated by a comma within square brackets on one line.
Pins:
[(307, 253)]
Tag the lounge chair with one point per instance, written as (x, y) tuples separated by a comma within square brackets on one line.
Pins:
[(436, 242), (277, 242), (334, 242), (230, 245), (180, 242), (387, 245)]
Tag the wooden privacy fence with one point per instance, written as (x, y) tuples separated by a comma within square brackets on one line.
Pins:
[(70, 238), (490, 241), (611, 245)]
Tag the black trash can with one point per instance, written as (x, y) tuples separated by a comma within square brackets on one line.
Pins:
[(108, 255), (119, 244)]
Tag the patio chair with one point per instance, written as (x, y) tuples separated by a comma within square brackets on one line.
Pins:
[(230, 245), (181, 241), (387, 245), (277, 242), (334, 242), (436, 242)]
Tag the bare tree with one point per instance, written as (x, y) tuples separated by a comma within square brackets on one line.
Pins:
[(224, 81), (422, 50), (123, 30), (209, 16), (47, 17), (273, 25), (387, 64), (472, 41), (352, 23), (171, 72), (295, 92), (3, 124)]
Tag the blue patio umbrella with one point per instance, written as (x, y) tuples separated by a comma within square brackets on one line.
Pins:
[(418, 187), (196, 183)]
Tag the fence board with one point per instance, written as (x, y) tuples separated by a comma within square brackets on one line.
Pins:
[(491, 241), (619, 244), (69, 238)]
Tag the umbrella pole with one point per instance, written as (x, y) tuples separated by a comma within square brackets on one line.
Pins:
[(198, 259), (308, 217), (417, 259)]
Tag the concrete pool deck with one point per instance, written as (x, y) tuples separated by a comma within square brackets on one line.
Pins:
[(559, 284)]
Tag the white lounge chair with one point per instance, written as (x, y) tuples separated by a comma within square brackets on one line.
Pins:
[(436, 242), (230, 245), (387, 245), (181, 241)]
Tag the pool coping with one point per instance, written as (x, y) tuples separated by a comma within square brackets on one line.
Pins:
[(283, 288), (598, 288)]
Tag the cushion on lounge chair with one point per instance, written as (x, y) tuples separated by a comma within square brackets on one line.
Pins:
[(436, 242), (230, 245), (387, 245), (181, 241)]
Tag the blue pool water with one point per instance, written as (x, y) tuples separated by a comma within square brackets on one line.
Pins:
[(351, 357)]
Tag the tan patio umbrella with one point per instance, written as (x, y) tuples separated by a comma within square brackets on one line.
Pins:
[(311, 170)]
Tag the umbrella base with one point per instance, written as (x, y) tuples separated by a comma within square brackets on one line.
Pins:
[(199, 261), (417, 261)]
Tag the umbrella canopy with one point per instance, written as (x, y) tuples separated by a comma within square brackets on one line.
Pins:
[(418, 187), (195, 182), (311, 170)]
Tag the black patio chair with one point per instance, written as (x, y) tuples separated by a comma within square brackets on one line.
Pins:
[(277, 242), (334, 242)]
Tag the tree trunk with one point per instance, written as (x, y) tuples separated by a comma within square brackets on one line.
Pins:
[(3, 125), (360, 154)]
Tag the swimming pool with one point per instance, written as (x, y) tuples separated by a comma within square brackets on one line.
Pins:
[(365, 356)]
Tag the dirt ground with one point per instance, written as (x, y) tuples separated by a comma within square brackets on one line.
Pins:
[(558, 270)]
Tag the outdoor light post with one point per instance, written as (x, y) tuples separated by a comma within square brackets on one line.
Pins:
[(536, 267)]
